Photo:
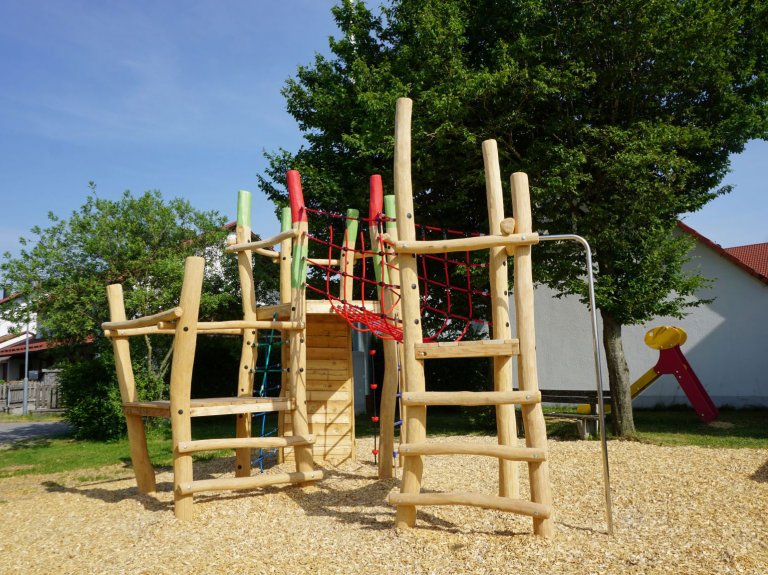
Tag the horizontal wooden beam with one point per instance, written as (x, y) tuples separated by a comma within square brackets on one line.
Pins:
[(463, 244), (248, 324), (268, 243), (482, 348), (212, 406), (232, 483), (245, 442), (465, 448), (167, 315), (470, 397), (234, 405), (160, 328), (473, 500)]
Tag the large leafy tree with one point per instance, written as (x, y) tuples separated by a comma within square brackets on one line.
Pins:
[(623, 113), (141, 242)]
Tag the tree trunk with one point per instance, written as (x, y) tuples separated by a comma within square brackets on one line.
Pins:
[(618, 376)]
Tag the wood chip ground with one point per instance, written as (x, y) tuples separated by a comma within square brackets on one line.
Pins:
[(681, 510)]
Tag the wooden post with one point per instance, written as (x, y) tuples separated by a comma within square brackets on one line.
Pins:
[(137, 438), (533, 416), (297, 376), (413, 467), (348, 255), (286, 247), (509, 485), (184, 344), (395, 369), (248, 352), (285, 257), (389, 388)]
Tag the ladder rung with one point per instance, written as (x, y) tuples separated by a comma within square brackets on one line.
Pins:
[(470, 397), (482, 348), (464, 448), (231, 483), (245, 442), (234, 405), (473, 500), (213, 326)]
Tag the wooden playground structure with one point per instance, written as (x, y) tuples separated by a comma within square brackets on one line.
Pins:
[(315, 406)]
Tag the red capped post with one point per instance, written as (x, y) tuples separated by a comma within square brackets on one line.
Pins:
[(296, 197), (376, 204)]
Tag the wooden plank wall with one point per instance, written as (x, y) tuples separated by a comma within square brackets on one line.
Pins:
[(330, 399)]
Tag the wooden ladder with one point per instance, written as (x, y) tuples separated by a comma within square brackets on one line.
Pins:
[(182, 322), (507, 237)]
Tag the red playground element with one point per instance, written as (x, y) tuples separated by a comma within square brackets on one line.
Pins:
[(375, 419), (673, 362), (668, 339), (296, 197)]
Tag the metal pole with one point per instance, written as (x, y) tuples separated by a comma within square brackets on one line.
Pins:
[(598, 372), (25, 393)]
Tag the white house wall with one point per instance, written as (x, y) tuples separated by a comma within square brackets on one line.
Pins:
[(727, 340)]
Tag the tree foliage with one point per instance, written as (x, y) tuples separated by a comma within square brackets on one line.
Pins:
[(623, 113), (141, 242)]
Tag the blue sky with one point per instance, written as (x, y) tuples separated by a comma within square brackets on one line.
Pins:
[(184, 98)]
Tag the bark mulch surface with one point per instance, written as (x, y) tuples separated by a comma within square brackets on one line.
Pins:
[(681, 510)]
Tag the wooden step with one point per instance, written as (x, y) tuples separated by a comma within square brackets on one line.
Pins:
[(465, 448), (482, 348), (470, 397), (245, 442), (212, 406), (267, 312), (232, 483), (519, 506)]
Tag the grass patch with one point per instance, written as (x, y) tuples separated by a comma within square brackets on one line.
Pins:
[(735, 428), (677, 427), (53, 455)]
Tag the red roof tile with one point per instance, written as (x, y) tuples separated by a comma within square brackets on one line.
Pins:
[(34, 345), (753, 255), (758, 271)]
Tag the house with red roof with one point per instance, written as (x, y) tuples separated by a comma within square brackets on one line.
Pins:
[(727, 343), (13, 348)]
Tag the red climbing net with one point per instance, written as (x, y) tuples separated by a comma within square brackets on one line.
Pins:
[(452, 309)]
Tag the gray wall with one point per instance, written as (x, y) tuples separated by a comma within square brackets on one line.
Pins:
[(727, 340)]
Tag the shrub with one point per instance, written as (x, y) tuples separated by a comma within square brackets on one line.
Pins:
[(91, 396)]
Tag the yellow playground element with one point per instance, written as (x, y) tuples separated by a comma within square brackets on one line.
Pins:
[(665, 337)]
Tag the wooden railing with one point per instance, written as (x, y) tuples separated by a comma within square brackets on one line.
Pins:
[(41, 396)]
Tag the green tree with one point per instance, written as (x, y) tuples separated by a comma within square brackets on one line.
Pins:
[(141, 242), (623, 113)]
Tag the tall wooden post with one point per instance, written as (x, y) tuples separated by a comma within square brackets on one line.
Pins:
[(184, 344), (393, 350), (413, 467), (297, 376), (137, 438), (384, 275), (509, 485), (533, 416), (249, 349)]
